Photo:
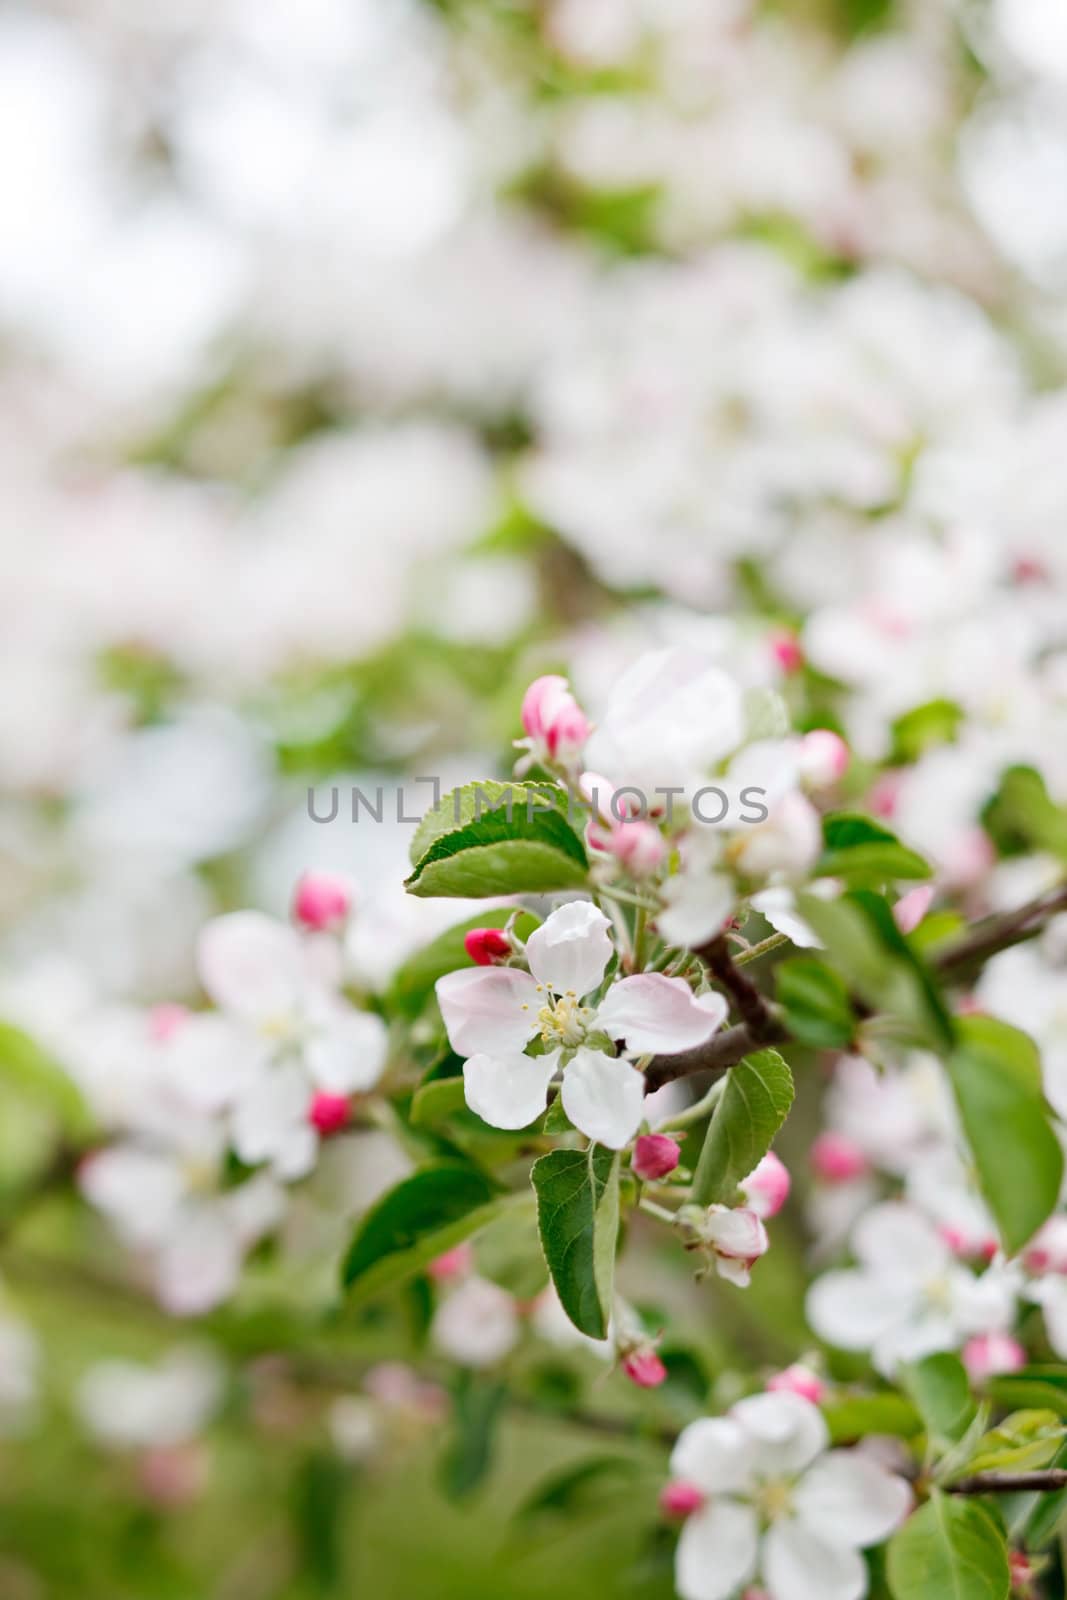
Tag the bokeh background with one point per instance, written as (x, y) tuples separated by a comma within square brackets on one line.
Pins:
[(359, 360)]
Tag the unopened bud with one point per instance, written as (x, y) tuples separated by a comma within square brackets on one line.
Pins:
[(486, 946), (644, 1367), (554, 722), (322, 902), (800, 1380), (328, 1112), (824, 758), (767, 1187), (912, 907), (990, 1353), (835, 1158), (680, 1499), (655, 1155)]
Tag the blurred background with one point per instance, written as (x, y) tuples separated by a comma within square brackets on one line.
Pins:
[(360, 360)]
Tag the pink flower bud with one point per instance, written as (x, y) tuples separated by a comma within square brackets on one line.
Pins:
[(680, 1499), (321, 902), (884, 797), (1047, 1250), (171, 1476), (1022, 1573), (328, 1112), (486, 946), (453, 1264), (912, 907), (767, 1188), (638, 846), (968, 858), (737, 1238), (989, 1353), (553, 720), (655, 1154), (824, 758), (800, 1380), (968, 1245), (837, 1159), (785, 648), (644, 1367), (165, 1020)]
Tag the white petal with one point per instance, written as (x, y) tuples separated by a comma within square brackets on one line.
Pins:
[(1051, 1294), (200, 1266), (716, 1551), (799, 1566), (488, 1009), (604, 1096), (571, 948), (698, 906), (653, 1013), (713, 1453), (900, 1244), (854, 1309), (211, 1060), (508, 1091), (785, 1431), (265, 1117), (846, 1498), (349, 1054), (778, 907), (477, 1324), (251, 965)]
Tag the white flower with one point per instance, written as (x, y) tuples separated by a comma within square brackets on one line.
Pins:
[(671, 717), (130, 1406), (767, 1463), (284, 989), (909, 1296), (492, 1013), (477, 1324)]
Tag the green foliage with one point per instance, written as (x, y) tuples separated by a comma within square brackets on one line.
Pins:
[(754, 1104), (1021, 817), (427, 1214), (854, 1416), (916, 731), (863, 852), (815, 1004), (941, 1391), (29, 1071), (477, 1403), (950, 1549), (578, 1221), (876, 962), (1023, 1442), (510, 840), (996, 1076)]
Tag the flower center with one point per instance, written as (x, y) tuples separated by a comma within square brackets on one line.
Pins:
[(938, 1294), (564, 1020), (774, 1498)]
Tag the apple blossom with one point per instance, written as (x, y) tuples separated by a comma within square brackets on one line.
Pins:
[(912, 907), (492, 1014), (988, 1354), (766, 1189), (733, 1239), (477, 1324), (823, 759), (644, 1368), (780, 1503), (486, 946), (556, 727)]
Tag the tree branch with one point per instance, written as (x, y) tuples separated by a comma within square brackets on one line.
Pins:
[(760, 1026), (1009, 1483)]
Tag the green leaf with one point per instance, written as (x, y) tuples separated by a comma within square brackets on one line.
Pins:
[(876, 962), (476, 1407), (1045, 1510), (855, 1416), (1023, 1442), (1021, 817), (950, 1549), (941, 1390), (1032, 1387), (863, 852), (754, 1104), (476, 800), (421, 1218), (507, 850), (815, 1003), (30, 1072), (996, 1076), (936, 722), (578, 1220), (435, 1101), (413, 983), (577, 1487)]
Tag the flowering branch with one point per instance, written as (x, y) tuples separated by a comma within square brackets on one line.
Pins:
[(1009, 1483)]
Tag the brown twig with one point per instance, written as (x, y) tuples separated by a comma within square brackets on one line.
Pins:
[(1010, 1483)]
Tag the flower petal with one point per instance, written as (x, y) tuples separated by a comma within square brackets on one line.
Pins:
[(604, 1096), (508, 1090), (854, 1309), (713, 1453), (349, 1054), (653, 1013), (900, 1244), (571, 948), (251, 965), (848, 1498), (491, 1010), (716, 1551), (799, 1566), (786, 1432)]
